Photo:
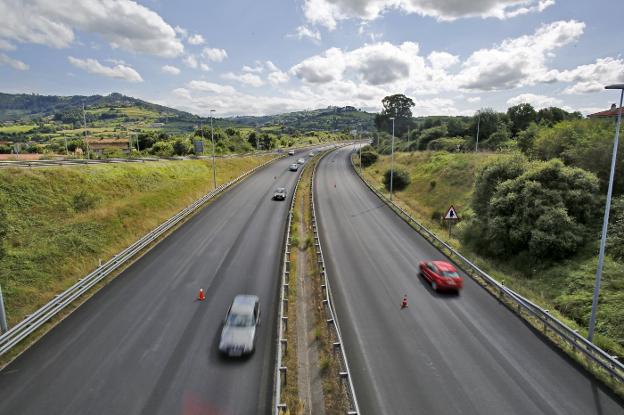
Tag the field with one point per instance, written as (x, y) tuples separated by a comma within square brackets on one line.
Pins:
[(62, 221), (442, 179), (17, 128)]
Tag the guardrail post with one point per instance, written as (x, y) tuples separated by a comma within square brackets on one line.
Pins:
[(3, 322)]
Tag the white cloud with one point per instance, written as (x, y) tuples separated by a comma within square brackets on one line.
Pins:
[(323, 68), (205, 86), (6, 45), (13, 63), (196, 40), (271, 66), (473, 99), (244, 78), (517, 62), (592, 77), (191, 61), (118, 71), (181, 31), (329, 12), (124, 24), (182, 93), (442, 60), (256, 69), (172, 70), (304, 32), (278, 77), (214, 54), (537, 101), (204, 67)]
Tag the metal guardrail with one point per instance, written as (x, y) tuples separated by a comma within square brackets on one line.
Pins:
[(32, 322), (332, 321), (550, 325)]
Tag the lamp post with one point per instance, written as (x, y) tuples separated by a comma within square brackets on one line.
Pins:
[(214, 167), (478, 125), (605, 222), (392, 158)]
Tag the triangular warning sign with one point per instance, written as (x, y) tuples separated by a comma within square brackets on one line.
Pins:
[(451, 214)]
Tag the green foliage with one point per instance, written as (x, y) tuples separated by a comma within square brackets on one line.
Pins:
[(488, 122), (396, 106), (497, 139), (162, 149), (3, 226), (84, 200), (520, 116), (546, 213), (615, 240), (587, 144), (181, 146), (400, 179), (430, 134), (369, 156), (451, 144), (490, 176), (553, 115), (526, 138)]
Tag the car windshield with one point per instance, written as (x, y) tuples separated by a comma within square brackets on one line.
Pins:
[(280, 190), (450, 274), (240, 320)]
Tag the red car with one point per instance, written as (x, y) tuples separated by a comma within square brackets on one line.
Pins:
[(441, 275)]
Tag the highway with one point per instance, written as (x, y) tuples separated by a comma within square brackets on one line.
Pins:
[(444, 354), (144, 345)]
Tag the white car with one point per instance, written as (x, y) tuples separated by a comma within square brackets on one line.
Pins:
[(301, 161), (238, 336), (311, 154), (293, 167), (291, 152)]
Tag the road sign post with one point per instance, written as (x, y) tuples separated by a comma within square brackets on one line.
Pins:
[(451, 217)]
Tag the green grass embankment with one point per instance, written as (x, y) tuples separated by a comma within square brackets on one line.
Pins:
[(62, 220), (443, 179)]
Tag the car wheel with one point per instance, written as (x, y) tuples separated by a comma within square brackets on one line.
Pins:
[(434, 286)]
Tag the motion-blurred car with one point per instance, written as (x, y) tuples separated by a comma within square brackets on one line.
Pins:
[(238, 335), (291, 152), (441, 275), (301, 161), (312, 153), (279, 194), (293, 167)]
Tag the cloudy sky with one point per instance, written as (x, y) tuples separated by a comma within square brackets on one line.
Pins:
[(249, 57)]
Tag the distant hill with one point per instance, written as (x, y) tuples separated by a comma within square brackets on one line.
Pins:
[(120, 111), (24, 107), (327, 119)]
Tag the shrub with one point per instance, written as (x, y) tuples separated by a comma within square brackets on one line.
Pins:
[(369, 156), (615, 241), (400, 179), (84, 201)]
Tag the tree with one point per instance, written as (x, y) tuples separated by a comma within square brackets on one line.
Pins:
[(181, 146), (369, 156), (400, 179), (520, 116), (251, 139), (397, 106), (487, 121), (526, 138), (546, 213)]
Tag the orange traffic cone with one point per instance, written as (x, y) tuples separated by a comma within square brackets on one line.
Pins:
[(404, 302), (201, 296)]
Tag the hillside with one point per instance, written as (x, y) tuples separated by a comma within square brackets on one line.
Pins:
[(327, 119)]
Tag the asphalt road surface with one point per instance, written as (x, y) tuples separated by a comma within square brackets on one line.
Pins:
[(143, 345), (445, 354)]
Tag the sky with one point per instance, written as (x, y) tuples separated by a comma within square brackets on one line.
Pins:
[(251, 57)]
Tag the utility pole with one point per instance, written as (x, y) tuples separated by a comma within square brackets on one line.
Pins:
[(3, 321), (214, 167), (478, 125), (392, 165), (84, 125)]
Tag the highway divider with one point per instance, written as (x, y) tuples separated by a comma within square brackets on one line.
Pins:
[(23, 329), (568, 339), (328, 302)]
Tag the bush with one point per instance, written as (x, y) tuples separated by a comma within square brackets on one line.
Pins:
[(369, 156), (615, 241), (181, 147), (547, 213), (450, 144), (84, 200), (162, 149), (400, 179)]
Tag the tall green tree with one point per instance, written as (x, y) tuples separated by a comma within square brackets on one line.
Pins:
[(397, 106), (521, 116)]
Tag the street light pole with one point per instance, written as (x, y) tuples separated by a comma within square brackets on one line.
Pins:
[(360, 136), (478, 125), (605, 222), (214, 167), (392, 157)]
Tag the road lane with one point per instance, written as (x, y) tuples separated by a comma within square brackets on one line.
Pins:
[(445, 354), (142, 345)]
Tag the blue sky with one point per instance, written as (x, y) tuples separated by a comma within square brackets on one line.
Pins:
[(262, 57)]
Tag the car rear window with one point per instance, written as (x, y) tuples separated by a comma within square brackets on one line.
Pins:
[(450, 274)]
